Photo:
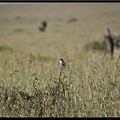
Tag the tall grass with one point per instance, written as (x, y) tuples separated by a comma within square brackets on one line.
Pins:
[(85, 89)]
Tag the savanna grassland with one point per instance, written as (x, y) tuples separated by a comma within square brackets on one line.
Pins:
[(32, 82)]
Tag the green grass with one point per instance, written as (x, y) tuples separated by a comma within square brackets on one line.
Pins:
[(32, 82)]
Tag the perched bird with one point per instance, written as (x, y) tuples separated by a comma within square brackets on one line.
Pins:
[(111, 41), (62, 62)]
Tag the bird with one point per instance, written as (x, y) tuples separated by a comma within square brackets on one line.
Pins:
[(62, 62), (111, 41)]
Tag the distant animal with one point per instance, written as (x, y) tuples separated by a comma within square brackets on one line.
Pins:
[(62, 62), (43, 26), (111, 41), (42, 29)]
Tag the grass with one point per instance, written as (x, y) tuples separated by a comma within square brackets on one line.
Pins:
[(32, 82)]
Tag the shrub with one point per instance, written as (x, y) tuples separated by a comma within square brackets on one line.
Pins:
[(5, 48), (103, 44)]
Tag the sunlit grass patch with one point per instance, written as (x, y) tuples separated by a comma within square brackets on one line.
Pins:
[(40, 57)]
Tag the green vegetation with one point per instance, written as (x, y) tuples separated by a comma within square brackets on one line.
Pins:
[(103, 44), (5, 48)]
